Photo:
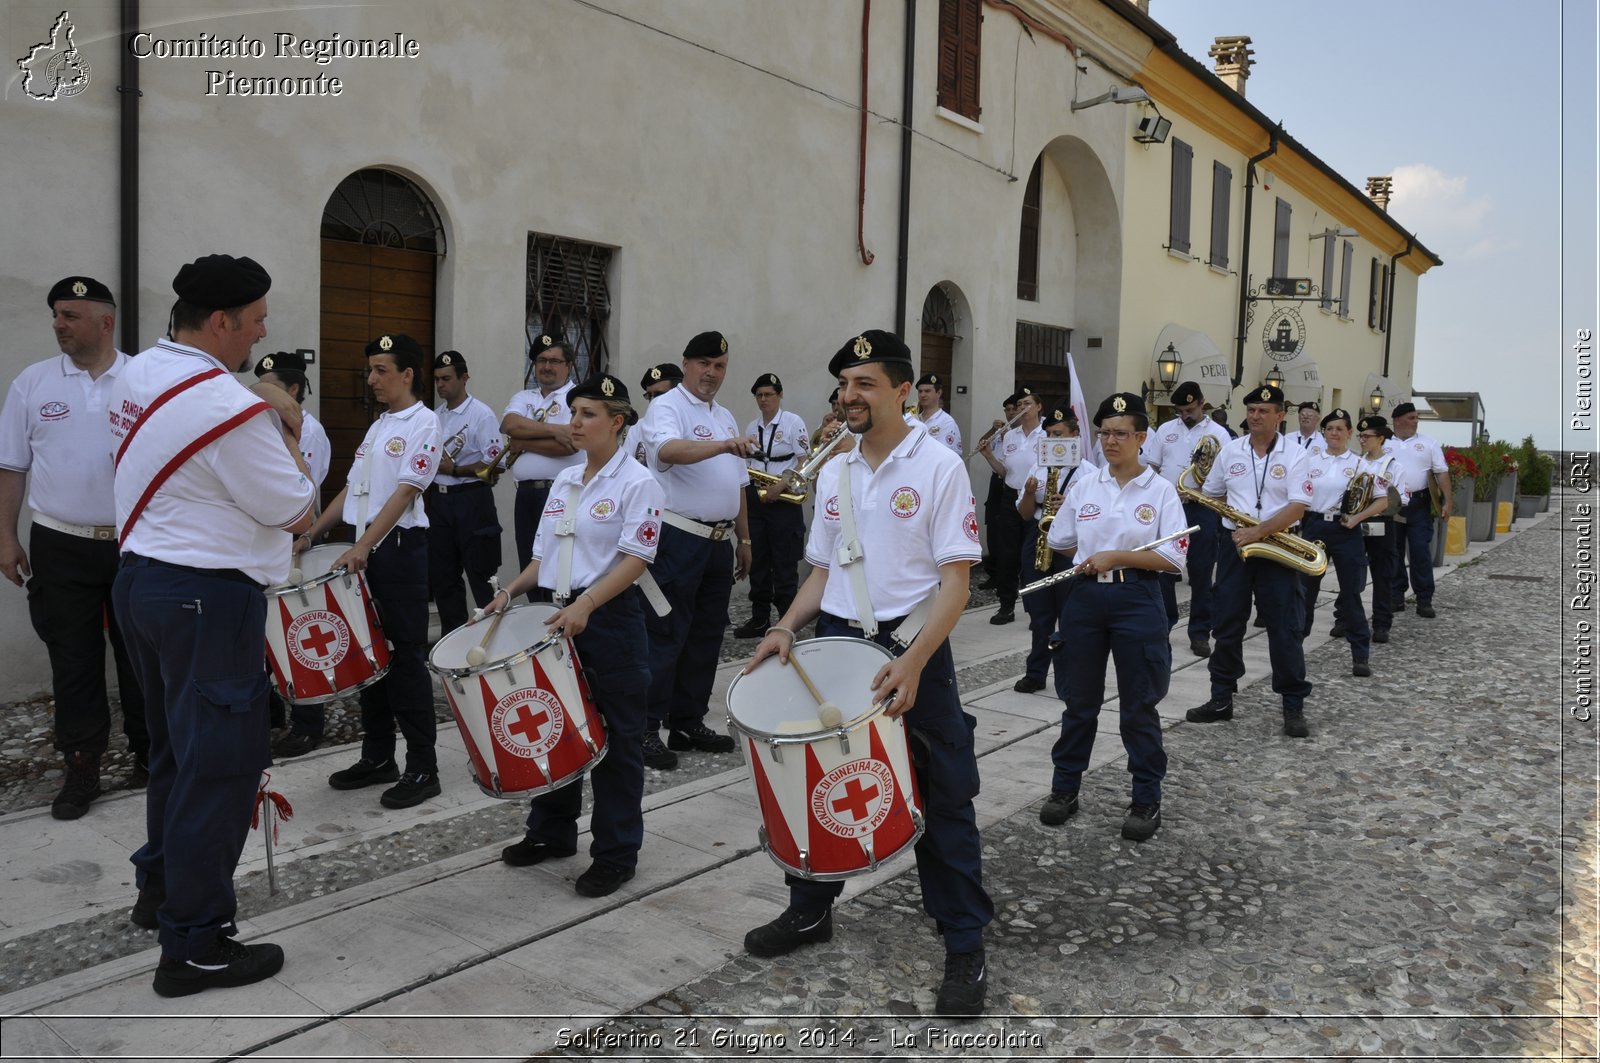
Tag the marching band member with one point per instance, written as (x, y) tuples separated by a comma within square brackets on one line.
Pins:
[(1422, 466), (206, 485), (1307, 439), (660, 379), (1252, 474), (832, 424), (932, 414), (1043, 606), (994, 500), (616, 504), (1170, 452), (915, 512), (463, 527), (1011, 457), (1386, 473), (535, 424), (287, 370), (696, 452), (777, 527), (1114, 608), (1319, 484), (55, 448), (383, 500)]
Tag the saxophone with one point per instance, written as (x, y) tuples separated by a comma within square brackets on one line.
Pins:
[(1041, 549), (1281, 547)]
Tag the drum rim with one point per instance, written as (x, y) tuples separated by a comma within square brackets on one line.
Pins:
[(577, 776), (323, 699), (469, 670), (919, 825), (791, 738)]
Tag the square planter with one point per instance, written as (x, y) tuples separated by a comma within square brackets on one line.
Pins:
[(1480, 522), (1527, 506), (1544, 503)]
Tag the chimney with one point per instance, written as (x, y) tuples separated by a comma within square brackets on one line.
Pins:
[(1233, 61), (1142, 5), (1380, 188)]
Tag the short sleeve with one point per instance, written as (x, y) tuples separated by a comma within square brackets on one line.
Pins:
[(823, 539), (15, 452), (661, 424), (953, 525), (642, 503), (259, 474), (421, 461), (1171, 522), (1216, 484)]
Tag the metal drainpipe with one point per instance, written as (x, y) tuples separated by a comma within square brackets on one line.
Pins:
[(128, 177), (1388, 333), (903, 269), (1244, 255)]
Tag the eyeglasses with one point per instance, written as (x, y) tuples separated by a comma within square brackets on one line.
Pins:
[(1368, 435), (550, 361), (1121, 435)]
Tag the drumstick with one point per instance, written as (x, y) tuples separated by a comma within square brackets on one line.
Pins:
[(478, 654), (827, 712)]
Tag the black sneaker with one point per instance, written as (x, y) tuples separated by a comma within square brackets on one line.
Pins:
[(751, 629), (966, 983), (1028, 685), (1058, 808), (657, 755), (1200, 647), (1004, 616), (229, 964), (412, 789), (365, 772), (1142, 821), (1336, 631), (788, 932), (1426, 612), (150, 900), (526, 853), (1380, 634), (1294, 724), (81, 787), (602, 880), (700, 737), (1212, 711), (139, 777), (1361, 667), (295, 744)]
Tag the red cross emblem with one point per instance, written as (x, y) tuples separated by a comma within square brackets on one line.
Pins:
[(856, 800), (317, 639), (421, 463), (528, 723), (648, 533)]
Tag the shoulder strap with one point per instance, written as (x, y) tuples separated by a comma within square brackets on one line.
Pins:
[(566, 531), (851, 557)]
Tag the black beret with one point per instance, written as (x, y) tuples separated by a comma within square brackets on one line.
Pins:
[(548, 339), (767, 380), (1060, 415), (282, 362), (1373, 423), (394, 345), (1403, 409), (603, 388), (872, 346), (1309, 406), (221, 282), (657, 373), (1265, 393), (833, 396), (931, 378), (79, 288), (446, 359), (1017, 396), (1336, 415), (707, 345), (1122, 404), (1186, 392)]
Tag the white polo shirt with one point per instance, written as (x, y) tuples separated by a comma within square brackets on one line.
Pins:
[(619, 511), (405, 450), (941, 426), (482, 428), (54, 426), (227, 505), (1311, 443), (1418, 456), (535, 405), (707, 490), (315, 448), (1255, 486), (1099, 514), (1172, 445), (784, 434), (1320, 480), (1019, 452), (913, 514), (1385, 474)]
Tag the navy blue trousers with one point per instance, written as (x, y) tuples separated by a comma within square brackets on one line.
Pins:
[(196, 641), (1347, 556), (1380, 563), (618, 678), (1128, 623), (777, 543), (1043, 606), (1006, 532), (1415, 536), (1276, 589), (949, 853), (696, 575), (397, 577), (1202, 567), (463, 537)]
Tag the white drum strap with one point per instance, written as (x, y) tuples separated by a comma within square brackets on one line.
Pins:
[(652, 593), (363, 492), (566, 531), (913, 622), (852, 559)]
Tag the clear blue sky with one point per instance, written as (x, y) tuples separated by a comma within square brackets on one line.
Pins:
[(1464, 102)]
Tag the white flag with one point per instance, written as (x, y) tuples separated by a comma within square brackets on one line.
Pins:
[(1080, 409)]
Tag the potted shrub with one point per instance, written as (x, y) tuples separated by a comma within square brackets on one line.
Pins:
[(1505, 499), (1485, 486), (1463, 474), (1533, 485)]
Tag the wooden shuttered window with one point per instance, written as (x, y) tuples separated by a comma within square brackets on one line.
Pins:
[(1372, 295), (1383, 298), (1182, 196), (1280, 239), (1028, 244), (960, 37), (1221, 197), (1327, 273), (1344, 279)]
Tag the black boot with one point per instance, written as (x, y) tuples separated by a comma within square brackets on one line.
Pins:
[(81, 787)]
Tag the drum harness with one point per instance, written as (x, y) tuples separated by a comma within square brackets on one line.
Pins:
[(566, 532), (852, 558)]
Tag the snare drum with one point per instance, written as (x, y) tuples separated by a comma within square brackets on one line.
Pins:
[(526, 714), (323, 636), (834, 802)]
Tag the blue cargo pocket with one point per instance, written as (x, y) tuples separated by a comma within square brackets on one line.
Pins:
[(947, 766), (232, 732), (1158, 666), (483, 552)]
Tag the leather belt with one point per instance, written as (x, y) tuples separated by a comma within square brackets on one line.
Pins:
[(542, 485), (445, 489), (716, 531), (98, 532)]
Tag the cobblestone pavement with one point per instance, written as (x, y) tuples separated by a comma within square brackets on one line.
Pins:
[(1416, 879)]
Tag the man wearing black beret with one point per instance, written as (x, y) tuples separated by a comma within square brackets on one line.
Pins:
[(537, 422), (777, 527), (660, 379), (932, 414), (1426, 476)]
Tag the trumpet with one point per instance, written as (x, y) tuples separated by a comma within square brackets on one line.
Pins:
[(1281, 547), (501, 464), (991, 433), (1062, 577), (455, 445), (796, 482)]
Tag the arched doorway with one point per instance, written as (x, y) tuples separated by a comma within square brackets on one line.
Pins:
[(381, 245), (944, 349)]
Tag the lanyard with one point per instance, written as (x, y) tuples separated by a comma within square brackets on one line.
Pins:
[(1261, 482)]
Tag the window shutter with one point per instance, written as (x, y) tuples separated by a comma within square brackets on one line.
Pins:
[(1327, 273), (1280, 239), (1182, 173), (1372, 295), (1383, 299), (949, 66), (1221, 198), (970, 43), (1344, 280), (1028, 244)]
